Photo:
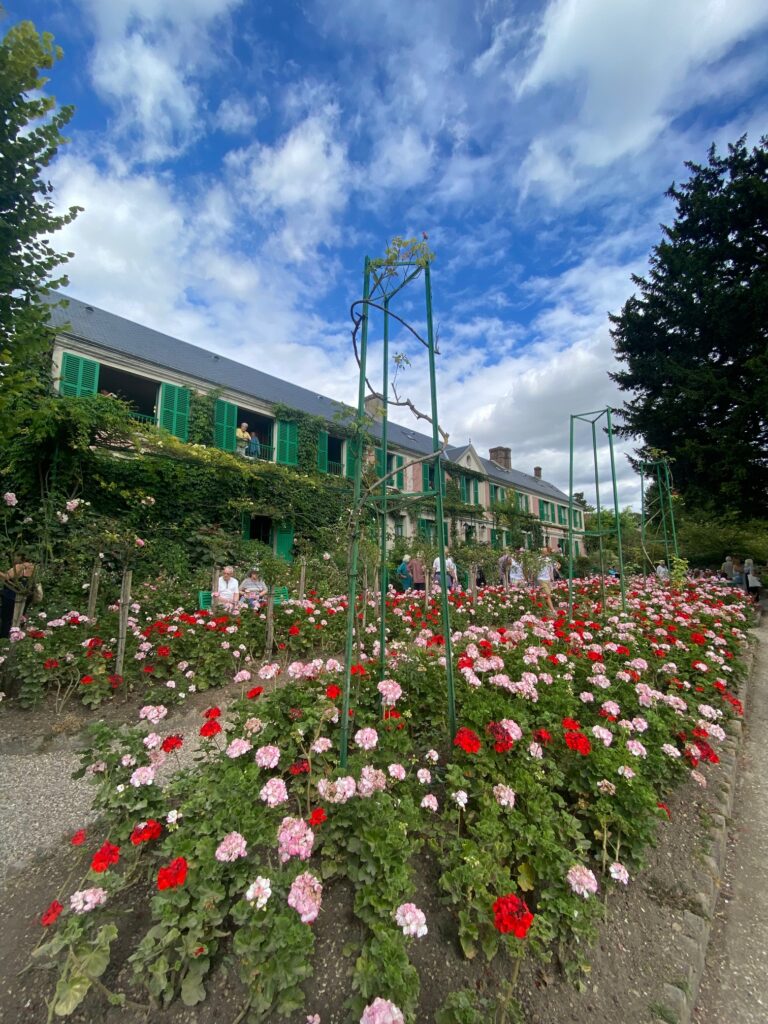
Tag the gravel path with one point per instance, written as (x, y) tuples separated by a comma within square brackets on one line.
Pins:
[(735, 983), (39, 803)]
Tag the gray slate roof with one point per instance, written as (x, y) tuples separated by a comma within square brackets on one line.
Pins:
[(118, 334)]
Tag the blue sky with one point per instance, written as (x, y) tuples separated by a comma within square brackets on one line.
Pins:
[(237, 159)]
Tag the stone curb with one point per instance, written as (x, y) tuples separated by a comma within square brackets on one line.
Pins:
[(679, 999)]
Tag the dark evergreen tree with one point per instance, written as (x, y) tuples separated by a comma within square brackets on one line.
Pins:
[(694, 337), (30, 135)]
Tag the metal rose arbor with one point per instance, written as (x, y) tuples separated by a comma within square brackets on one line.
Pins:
[(592, 419), (405, 263), (657, 513)]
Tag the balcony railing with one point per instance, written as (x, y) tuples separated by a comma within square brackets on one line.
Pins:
[(264, 453), (142, 417), (335, 468)]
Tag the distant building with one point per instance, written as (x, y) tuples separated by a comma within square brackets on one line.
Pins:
[(96, 351)]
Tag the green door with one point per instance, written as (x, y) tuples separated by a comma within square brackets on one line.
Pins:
[(287, 443), (78, 376), (224, 425), (174, 410), (322, 451), (284, 541)]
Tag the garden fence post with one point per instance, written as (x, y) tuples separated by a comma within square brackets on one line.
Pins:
[(93, 590), (270, 637), (302, 577), (125, 601)]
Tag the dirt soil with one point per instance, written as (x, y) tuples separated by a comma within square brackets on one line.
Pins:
[(642, 944)]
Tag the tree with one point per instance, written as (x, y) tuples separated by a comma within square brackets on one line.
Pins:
[(694, 338), (30, 136)]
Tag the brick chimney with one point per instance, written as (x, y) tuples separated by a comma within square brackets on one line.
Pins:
[(501, 456), (537, 472), (374, 407)]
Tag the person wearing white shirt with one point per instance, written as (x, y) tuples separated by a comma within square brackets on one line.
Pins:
[(545, 578), (515, 571), (450, 569), (228, 592)]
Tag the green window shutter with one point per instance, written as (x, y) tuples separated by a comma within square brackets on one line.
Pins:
[(174, 410), (494, 538), (284, 542), (287, 443), (424, 479), (350, 457), (379, 463), (245, 525), (224, 425), (322, 451), (464, 489), (400, 478), (502, 496), (78, 376), (476, 491)]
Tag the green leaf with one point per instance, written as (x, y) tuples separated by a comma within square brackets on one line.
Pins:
[(70, 992), (526, 877)]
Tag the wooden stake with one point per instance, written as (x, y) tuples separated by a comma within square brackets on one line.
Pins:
[(93, 592), (125, 601), (270, 637), (302, 577)]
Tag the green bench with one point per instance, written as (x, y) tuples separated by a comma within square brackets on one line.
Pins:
[(205, 598)]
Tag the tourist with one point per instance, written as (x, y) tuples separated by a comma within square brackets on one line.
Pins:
[(17, 584), (253, 590), (403, 573), (503, 564), (726, 569), (228, 590), (662, 572), (253, 450), (450, 569), (515, 572), (242, 438), (418, 574), (545, 578), (754, 583)]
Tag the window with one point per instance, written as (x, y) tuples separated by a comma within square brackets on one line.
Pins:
[(329, 453), (287, 443), (78, 376), (498, 495), (399, 528), (174, 410), (546, 511), (427, 530), (522, 502), (476, 491), (464, 489), (577, 522), (562, 515)]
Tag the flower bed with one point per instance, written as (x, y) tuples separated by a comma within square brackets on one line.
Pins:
[(570, 736)]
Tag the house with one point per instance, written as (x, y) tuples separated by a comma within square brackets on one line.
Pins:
[(97, 351)]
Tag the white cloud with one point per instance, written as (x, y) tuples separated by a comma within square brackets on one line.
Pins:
[(300, 185), (627, 66), (235, 115), (146, 60)]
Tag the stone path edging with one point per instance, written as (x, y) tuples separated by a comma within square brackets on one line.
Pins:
[(679, 1000)]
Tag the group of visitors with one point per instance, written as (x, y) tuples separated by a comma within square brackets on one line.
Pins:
[(247, 442), (742, 574), (232, 595)]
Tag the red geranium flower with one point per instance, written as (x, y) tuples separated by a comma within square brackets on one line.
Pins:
[(571, 723), (333, 691), (86, 680), (145, 831), (512, 915), (543, 736), (579, 742), (299, 767), (105, 856), (294, 630), (78, 838), (172, 743), (212, 713), (317, 817), (115, 681), (163, 652), (173, 875), (468, 741), (210, 729), (51, 663), (357, 670), (256, 691), (51, 915)]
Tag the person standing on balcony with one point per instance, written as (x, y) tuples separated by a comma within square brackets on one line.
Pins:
[(242, 438)]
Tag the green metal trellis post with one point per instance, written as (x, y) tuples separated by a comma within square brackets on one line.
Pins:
[(658, 469), (593, 418), (381, 501)]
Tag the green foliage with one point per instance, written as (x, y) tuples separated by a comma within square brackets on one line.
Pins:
[(694, 340), (706, 540), (202, 406), (30, 136)]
